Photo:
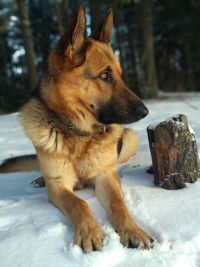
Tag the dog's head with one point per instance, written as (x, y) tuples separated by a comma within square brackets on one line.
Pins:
[(87, 78)]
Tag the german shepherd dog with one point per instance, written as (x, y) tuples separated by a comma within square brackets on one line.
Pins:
[(75, 123)]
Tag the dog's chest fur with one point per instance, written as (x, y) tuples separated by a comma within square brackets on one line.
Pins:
[(61, 152)]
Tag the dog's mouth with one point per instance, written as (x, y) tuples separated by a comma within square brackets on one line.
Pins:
[(114, 114)]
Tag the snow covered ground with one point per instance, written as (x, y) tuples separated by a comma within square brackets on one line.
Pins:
[(34, 233)]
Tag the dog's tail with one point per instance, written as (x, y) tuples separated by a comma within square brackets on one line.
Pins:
[(19, 164)]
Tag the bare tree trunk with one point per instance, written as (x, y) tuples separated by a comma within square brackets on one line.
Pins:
[(28, 43), (132, 47), (67, 13), (190, 82), (95, 14), (59, 16), (148, 75), (118, 33)]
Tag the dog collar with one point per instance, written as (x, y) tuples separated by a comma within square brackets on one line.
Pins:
[(65, 125), (73, 129)]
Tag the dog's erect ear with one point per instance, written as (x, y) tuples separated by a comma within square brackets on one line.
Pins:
[(71, 46), (78, 35), (105, 32)]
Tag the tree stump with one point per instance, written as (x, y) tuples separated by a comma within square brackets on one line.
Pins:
[(174, 153)]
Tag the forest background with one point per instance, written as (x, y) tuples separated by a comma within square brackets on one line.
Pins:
[(157, 43)]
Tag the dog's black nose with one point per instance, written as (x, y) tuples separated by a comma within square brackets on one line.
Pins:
[(141, 111)]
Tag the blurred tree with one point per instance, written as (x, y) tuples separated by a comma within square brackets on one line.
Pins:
[(177, 39), (95, 14), (131, 41), (119, 36), (5, 55), (44, 29), (147, 75), (58, 13), (157, 42), (66, 11), (28, 43)]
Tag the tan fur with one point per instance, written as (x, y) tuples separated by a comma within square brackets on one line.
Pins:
[(69, 160), (130, 143)]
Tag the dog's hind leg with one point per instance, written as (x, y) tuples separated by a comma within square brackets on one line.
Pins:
[(127, 145), (88, 234), (109, 193)]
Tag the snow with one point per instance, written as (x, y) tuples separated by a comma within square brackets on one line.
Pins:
[(35, 233), (191, 130), (172, 119), (152, 126), (18, 53)]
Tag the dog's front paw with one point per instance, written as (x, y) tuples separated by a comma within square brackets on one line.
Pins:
[(115, 130), (134, 237), (89, 236)]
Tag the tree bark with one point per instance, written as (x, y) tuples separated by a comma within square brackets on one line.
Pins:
[(67, 14), (58, 12), (174, 153), (28, 43), (95, 15), (119, 37), (147, 73), (132, 47)]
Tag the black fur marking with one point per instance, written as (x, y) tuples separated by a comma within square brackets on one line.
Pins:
[(130, 244), (93, 246), (56, 140), (50, 132), (119, 146)]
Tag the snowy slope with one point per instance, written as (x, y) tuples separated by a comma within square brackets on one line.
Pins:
[(34, 233)]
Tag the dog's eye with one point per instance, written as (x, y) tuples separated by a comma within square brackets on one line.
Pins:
[(106, 76)]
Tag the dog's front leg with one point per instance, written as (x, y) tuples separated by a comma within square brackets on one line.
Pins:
[(108, 191), (88, 234)]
